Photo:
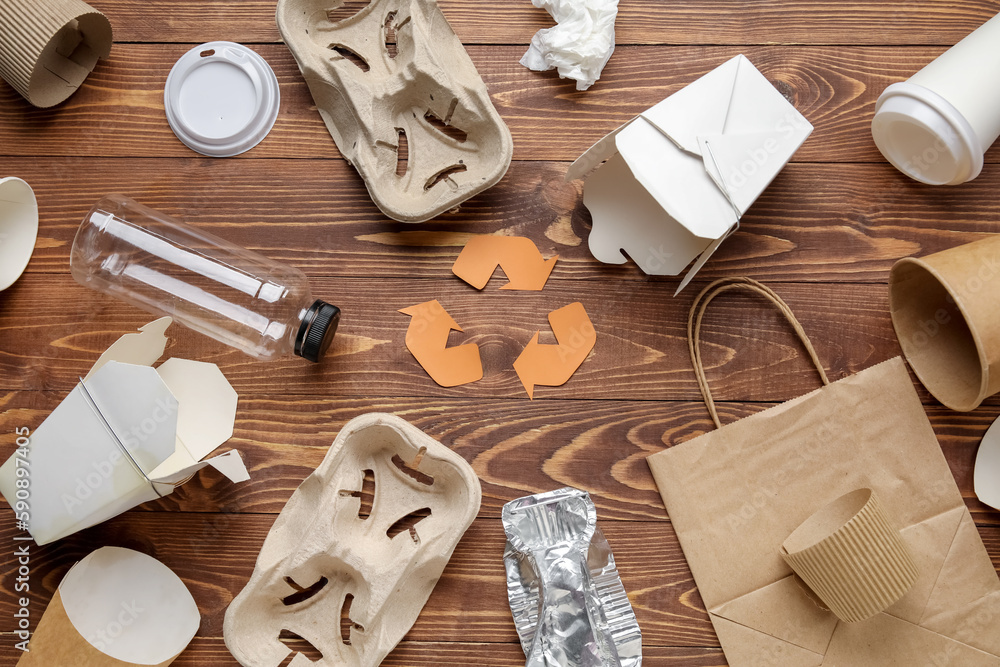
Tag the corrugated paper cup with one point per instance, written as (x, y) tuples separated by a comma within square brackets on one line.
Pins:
[(852, 557), (49, 47), (946, 311), (18, 228)]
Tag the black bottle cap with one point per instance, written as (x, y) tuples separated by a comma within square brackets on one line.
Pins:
[(317, 330)]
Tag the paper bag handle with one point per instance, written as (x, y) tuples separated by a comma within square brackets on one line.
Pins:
[(694, 330)]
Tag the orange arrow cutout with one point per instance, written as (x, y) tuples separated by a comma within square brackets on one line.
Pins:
[(427, 340), (553, 365), (525, 267)]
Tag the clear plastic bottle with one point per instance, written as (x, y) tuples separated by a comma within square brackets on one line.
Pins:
[(232, 294)]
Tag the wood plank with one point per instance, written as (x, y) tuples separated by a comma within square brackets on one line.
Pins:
[(824, 235), (823, 223), (216, 557), (215, 560), (119, 110), (642, 358), (516, 447), (701, 22), (51, 339), (212, 651)]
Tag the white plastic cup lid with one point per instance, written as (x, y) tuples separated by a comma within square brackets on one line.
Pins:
[(18, 228), (221, 99), (924, 136)]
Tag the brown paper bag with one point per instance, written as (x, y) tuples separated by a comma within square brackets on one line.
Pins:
[(735, 494)]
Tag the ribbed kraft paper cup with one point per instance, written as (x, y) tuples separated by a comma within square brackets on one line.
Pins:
[(946, 311), (852, 557), (49, 47)]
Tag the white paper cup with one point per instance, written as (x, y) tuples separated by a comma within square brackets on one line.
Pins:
[(936, 126), (18, 228)]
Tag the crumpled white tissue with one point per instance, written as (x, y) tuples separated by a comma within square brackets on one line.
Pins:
[(580, 45)]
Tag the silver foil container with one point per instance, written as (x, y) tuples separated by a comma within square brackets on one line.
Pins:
[(568, 602)]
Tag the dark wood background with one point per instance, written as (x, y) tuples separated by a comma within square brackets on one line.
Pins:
[(823, 235)]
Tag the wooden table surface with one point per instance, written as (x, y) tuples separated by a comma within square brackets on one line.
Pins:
[(823, 236)]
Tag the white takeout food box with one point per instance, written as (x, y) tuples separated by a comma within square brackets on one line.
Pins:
[(126, 434), (678, 177)]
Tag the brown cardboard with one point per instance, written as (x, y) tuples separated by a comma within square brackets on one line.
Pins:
[(851, 556), (554, 365), (115, 608), (56, 643), (944, 310), (427, 340), (736, 493), (372, 93), (518, 256), (324, 561), (48, 47)]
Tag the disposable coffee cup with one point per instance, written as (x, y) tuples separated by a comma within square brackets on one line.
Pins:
[(852, 557), (936, 126), (49, 47), (18, 229), (945, 311)]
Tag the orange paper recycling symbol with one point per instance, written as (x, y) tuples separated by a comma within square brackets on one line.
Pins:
[(526, 269), (427, 340), (553, 365)]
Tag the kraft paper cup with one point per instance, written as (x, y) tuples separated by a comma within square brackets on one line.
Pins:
[(852, 557), (49, 47), (946, 311), (936, 126), (18, 228)]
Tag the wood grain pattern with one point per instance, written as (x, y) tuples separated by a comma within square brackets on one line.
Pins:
[(514, 22), (212, 651), (816, 223), (515, 447), (824, 235), (216, 557), (641, 351), (122, 101)]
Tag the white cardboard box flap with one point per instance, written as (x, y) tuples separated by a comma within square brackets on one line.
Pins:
[(702, 157), (125, 435)]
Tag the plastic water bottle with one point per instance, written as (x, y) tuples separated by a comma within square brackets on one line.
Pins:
[(232, 294)]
